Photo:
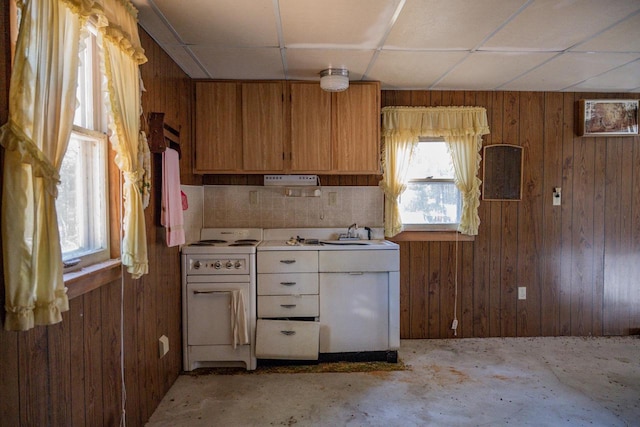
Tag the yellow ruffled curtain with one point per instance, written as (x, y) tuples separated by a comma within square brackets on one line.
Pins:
[(41, 108), (122, 56), (397, 150), (461, 127)]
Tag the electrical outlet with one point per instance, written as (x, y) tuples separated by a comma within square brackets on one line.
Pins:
[(557, 196), (522, 292), (253, 197), (163, 345), (333, 198)]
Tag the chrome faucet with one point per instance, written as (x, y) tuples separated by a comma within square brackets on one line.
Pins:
[(351, 231)]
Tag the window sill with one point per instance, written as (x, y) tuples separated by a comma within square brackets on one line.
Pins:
[(92, 277), (431, 236)]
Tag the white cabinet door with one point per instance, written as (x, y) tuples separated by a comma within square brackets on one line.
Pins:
[(354, 312)]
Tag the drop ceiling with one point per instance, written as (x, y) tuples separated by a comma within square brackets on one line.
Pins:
[(534, 45)]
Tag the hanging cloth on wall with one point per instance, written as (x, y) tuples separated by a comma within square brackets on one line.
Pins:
[(171, 215)]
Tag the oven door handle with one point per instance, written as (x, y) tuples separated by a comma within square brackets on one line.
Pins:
[(211, 292)]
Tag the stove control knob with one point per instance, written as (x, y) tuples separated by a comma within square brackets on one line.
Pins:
[(196, 265), (229, 264), (238, 264), (217, 265)]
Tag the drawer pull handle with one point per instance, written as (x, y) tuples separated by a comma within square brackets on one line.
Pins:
[(288, 305), (287, 261), (288, 333), (211, 292), (287, 283)]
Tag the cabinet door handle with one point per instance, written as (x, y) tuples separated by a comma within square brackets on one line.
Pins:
[(287, 283), (288, 305), (287, 261), (288, 333)]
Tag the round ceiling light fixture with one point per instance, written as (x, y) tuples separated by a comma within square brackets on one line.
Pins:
[(334, 79)]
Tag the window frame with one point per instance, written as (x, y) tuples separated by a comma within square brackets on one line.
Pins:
[(91, 125), (433, 228)]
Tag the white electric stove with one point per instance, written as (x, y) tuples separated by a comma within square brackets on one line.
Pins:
[(219, 298)]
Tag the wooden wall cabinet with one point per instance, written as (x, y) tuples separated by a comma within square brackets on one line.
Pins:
[(335, 133), (263, 127), (218, 127), (238, 127), (356, 129), (279, 127)]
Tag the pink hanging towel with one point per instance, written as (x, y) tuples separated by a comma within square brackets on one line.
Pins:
[(171, 216)]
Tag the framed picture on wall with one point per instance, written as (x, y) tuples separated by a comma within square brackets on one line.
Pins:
[(608, 117)]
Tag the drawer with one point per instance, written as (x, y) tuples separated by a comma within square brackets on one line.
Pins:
[(288, 284), (288, 306), (287, 261), (287, 339), (359, 261)]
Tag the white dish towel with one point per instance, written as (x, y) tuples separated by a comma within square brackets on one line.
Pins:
[(238, 319)]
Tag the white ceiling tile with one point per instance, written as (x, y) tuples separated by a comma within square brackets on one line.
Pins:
[(489, 70), (624, 37), (557, 25), (569, 69), (243, 64), (412, 70), (428, 43), (453, 24), (354, 24), (228, 23), (306, 64), (623, 79)]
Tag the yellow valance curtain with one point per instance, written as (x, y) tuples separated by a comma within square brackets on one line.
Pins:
[(461, 127)]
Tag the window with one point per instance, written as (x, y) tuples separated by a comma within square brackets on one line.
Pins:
[(83, 194), (431, 200)]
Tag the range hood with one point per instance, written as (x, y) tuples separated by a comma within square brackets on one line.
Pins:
[(290, 180), (295, 185)]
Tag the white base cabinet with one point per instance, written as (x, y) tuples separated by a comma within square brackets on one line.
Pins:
[(354, 312), (359, 300)]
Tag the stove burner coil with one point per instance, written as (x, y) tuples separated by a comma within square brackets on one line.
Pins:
[(209, 242)]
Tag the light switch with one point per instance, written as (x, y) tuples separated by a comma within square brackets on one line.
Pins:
[(253, 197), (333, 198)]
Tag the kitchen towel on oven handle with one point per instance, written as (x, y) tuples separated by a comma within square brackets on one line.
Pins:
[(238, 319)]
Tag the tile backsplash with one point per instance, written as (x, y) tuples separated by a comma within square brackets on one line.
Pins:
[(268, 207)]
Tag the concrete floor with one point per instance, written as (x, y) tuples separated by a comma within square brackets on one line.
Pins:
[(463, 382)]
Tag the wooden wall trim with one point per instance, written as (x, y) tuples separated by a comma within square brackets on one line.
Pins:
[(92, 277)]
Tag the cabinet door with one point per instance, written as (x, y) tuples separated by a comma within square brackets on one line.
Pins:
[(310, 128), (356, 129), (218, 128), (263, 126), (354, 312)]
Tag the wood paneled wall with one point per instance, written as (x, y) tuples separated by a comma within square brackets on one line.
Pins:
[(69, 374), (579, 261)]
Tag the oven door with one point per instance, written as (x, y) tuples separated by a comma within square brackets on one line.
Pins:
[(210, 314)]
